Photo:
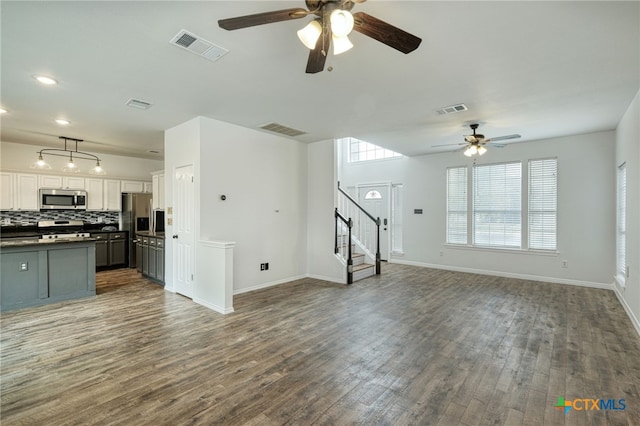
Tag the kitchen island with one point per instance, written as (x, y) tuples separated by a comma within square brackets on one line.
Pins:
[(37, 272)]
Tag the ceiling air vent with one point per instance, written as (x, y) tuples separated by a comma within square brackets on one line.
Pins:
[(452, 109), (137, 103), (198, 45), (283, 130)]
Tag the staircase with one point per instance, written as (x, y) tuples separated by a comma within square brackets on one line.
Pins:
[(357, 238)]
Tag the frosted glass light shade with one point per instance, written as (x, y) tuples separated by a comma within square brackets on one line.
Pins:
[(40, 164), (472, 150), (310, 34), (97, 170), (70, 167), (341, 22), (341, 44), (482, 150)]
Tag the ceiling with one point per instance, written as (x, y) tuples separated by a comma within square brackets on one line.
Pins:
[(540, 69)]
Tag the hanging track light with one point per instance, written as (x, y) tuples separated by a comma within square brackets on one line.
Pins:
[(70, 166)]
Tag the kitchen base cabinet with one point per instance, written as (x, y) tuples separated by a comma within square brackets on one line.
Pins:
[(38, 274), (151, 261), (111, 249), (138, 243)]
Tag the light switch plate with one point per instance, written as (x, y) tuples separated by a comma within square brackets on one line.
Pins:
[(169, 221)]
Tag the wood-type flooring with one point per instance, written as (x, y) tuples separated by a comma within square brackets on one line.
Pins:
[(413, 346)]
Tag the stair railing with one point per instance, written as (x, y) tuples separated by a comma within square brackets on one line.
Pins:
[(344, 245), (366, 228)]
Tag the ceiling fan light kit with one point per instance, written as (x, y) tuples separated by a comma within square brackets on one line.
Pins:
[(334, 21), (475, 143)]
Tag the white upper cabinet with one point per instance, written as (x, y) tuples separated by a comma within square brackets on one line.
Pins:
[(157, 181), (45, 181), (27, 192), (72, 182), (112, 195), (95, 194), (132, 186), (148, 187), (7, 191)]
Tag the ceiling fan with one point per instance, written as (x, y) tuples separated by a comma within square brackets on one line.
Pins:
[(332, 21), (475, 143)]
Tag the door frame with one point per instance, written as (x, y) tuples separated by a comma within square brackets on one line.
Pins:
[(388, 185)]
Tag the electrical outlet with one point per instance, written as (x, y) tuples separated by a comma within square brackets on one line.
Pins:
[(6, 221), (24, 266), (565, 263), (441, 252), (264, 266)]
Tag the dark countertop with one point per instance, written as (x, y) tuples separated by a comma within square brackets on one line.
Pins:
[(18, 231), (24, 243), (151, 234)]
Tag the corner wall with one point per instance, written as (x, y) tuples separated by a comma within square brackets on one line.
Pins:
[(628, 151)]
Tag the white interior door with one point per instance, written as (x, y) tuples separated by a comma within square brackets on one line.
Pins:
[(376, 201), (183, 230)]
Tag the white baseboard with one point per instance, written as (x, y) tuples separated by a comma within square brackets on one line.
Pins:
[(323, 278), (269, 284), (605, 286), (213, 307), (627, 308)]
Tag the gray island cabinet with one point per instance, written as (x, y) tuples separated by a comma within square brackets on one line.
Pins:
[(37, 273)]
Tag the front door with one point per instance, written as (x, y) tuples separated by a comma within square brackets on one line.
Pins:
[(183, 231), (376, 201)]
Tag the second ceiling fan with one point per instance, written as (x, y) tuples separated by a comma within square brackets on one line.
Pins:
[(475, 143), (332, 22)]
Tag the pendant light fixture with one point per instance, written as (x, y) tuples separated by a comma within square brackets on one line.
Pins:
[(72, 154)]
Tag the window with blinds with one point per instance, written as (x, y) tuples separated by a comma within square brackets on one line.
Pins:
[(621, 240), (543, 204), (497, 205), (457, 205)]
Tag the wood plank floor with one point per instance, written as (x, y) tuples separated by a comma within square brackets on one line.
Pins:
[(413, 346)]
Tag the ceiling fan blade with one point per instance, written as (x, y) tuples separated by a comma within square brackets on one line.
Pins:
[(449, 144), (385, 33), (504, 138), (261, 18), (318, 56)]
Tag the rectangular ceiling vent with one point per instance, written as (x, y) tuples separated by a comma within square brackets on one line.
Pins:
[(137, 103), (283, 130), (452, 109), (198, 45)]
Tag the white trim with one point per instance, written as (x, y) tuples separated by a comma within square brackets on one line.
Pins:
[(213, 307), (623, 302), (553, 280), (268, 284), (536, 252), (217, 244), (323, 278)]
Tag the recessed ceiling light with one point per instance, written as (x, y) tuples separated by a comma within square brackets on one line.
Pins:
[(63, 122), (45, 80)]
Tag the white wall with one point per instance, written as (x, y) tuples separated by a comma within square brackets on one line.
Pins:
[(628, 150), (181, 147), (263, 177), (321, 189), (19, 157), (586, 217)]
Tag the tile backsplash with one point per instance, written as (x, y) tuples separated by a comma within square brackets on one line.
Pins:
[(31, 218)]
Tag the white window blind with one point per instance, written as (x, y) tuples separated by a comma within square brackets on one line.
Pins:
[(497, 205), (621, 239), (457, 205), (543, 204)]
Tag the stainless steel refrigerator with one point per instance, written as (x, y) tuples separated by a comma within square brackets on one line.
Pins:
[(135, 217)]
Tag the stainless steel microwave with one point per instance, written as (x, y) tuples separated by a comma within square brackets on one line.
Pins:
[(62, 199)]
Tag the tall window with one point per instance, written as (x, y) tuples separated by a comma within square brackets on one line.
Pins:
[(543, 202), (621, 235), (396, 218), (498, 206), (457, 205), (365, 151)]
